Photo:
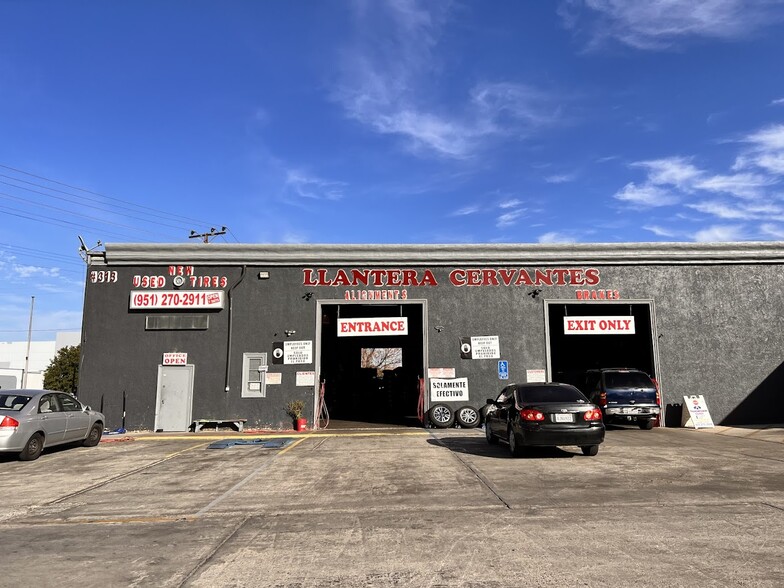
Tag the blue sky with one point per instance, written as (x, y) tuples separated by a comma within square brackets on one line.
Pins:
[(379, 121)]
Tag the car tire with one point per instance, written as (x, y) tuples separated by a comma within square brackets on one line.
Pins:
[(515, 448), (33, 448), (441, 416), (94, 437), (590, 449), (491, 439), (467, 417), (646, 425)]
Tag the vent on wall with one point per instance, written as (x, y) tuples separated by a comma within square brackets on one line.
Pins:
[(177, 322)]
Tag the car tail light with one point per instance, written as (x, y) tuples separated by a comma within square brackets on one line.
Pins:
[(593, 415), (531, 414), (658, 391), (9, 423)]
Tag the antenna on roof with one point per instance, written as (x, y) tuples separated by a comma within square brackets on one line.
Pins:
[(84, 250)]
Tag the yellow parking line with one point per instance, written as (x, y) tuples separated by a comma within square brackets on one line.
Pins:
[(277, 436)]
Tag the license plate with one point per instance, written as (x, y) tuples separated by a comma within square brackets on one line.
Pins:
[(630, 410), (563, 418)]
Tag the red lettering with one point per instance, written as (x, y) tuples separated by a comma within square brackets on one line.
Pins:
[(507, 275), (359, 277), (457, 277), (591, 276), (523, 279), (474, 277), (428, 279), (543, 278), (489, 278), (560, 276)]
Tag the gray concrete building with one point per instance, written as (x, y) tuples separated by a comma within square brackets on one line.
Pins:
[(176, 333)]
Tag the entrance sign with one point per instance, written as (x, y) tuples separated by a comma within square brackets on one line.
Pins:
[(456, 389), (598, 325), (363, 327), (503, 370), (175, 359), (696, 414)]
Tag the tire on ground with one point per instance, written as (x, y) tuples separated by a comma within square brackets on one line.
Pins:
[(467, 417), (441, 416)]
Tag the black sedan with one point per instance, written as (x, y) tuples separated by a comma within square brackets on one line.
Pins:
[(544, 415)]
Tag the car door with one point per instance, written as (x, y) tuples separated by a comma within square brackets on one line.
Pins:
[(77, 421), (52, 419), (498, 413)]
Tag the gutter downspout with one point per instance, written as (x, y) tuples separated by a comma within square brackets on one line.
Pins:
[(228, 344)]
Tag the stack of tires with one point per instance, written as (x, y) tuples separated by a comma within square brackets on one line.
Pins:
[(442, 416)]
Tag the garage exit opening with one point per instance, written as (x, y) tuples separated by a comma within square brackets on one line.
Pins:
[(371, 362), (587, 336)]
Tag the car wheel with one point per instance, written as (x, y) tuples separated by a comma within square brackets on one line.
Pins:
[(34, 447), (441, 416), (467, 417), (647, 425), (491, 439), (590, 449), (94, 437), (514, 446)]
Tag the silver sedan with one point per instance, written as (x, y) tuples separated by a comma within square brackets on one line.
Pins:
[(31, 420)]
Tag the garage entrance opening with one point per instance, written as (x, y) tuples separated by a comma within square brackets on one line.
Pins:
[(599, 335), (371, 362)]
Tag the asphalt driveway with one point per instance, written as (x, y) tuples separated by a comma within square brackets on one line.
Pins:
[(668, 507)]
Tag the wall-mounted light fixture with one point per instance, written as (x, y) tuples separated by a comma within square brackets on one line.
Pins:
[(264, 275), (307, 296), (439, 328), (289, 332), (535, 293)]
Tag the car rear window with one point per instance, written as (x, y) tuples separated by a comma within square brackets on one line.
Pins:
[(627, 380), (536, 394), (13, 401)]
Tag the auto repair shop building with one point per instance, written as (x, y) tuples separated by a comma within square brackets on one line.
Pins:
[(175, 333)]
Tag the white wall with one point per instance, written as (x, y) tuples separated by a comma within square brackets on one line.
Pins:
[(12, 359)]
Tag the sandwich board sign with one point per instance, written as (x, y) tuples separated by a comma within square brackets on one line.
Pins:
[(696, 414)]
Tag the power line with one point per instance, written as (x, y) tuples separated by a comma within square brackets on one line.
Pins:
[(137, 206)]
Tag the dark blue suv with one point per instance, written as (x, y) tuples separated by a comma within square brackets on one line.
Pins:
[(626, 396)]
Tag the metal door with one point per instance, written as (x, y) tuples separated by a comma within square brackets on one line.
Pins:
[(175, 398)]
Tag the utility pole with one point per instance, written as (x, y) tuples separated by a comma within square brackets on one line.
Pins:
[(206, 236), (29, 337)]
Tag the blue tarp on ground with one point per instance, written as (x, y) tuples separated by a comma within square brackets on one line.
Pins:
[(266, 443)]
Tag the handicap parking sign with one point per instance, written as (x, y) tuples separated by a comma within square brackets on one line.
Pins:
[(503, 370)]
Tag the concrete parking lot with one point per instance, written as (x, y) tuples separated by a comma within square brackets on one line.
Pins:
[(405, 507)]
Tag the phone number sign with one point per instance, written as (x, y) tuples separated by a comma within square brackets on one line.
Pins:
[(145, 300)]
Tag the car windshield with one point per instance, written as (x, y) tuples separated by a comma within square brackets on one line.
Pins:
[(13, 401), (627, 380), (538, 394)]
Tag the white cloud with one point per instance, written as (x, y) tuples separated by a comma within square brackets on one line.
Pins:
[(645, 195), (660, 231), (740, 212), (386, 81), (743, 185), (466, 210), (513, 203), (26, 271), (560, 178), (675, 171), (556, 237), (774, 231), (720, 234), (777, 102), (509, 218), (766, 151), (661, 24), (312, 187)]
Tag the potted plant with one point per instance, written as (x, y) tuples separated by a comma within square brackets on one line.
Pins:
[(294, 409)]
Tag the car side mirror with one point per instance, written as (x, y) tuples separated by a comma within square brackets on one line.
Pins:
[(490, 401)]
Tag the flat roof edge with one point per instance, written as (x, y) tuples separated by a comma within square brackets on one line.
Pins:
[(438, 254)]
